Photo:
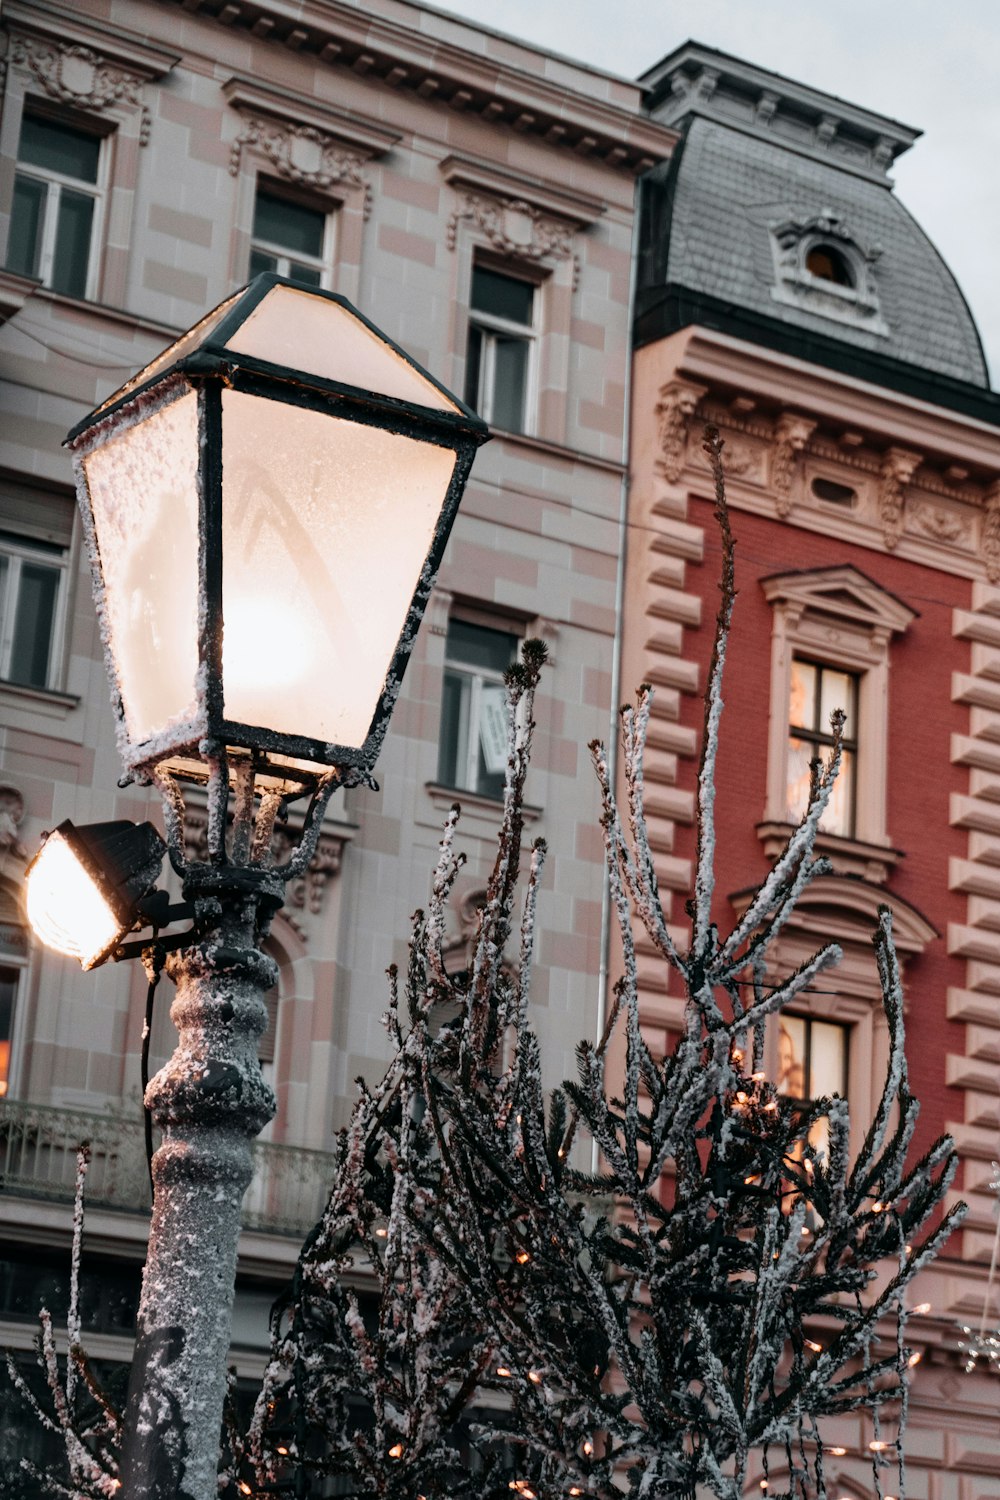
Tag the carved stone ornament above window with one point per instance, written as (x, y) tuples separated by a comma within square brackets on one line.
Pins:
[(80, 77), (520, 218), (11, 817), (515, 230), (302, 154), (317, 147), (846, 289)]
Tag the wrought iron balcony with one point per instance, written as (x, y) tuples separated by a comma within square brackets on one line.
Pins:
[(38, 1144)]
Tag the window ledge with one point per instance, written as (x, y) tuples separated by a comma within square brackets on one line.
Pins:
[(130, 321), (47, 699), (872, 862), (445, 797), (558, 450)]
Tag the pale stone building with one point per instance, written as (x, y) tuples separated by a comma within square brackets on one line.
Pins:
[(475, 198)]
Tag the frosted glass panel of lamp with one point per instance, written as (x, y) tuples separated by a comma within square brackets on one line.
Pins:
[(65, 907), (143, 488), (326, 528), (320, 337), (185, 345)]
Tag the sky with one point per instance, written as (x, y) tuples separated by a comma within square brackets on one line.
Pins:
[(932, 64)]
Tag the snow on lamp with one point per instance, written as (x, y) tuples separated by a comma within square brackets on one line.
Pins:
[(266, 505)]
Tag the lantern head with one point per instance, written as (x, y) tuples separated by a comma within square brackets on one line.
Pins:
[(266, 506), (84, 887)]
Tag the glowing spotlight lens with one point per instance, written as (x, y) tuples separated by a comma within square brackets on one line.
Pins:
[(65, 907), (85, 886)]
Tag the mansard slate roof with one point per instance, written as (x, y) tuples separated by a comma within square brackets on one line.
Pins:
[(763, 158)]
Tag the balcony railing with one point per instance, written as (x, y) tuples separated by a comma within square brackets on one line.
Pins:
[(38, 1145)]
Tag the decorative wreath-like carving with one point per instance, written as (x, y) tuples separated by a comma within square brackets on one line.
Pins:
[(943, 525), (78, 76), (302, 154), (516, 229), (898, 467)]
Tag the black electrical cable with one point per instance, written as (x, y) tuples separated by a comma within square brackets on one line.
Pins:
[(152, 960)]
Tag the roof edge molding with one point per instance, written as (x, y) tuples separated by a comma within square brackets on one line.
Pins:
[(366, 137), (699, 80), (78, 33), (843, 591)]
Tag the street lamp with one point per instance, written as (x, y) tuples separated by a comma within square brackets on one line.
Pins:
[(265, 507)]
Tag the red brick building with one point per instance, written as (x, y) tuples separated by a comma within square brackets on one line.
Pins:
[(786, 295)]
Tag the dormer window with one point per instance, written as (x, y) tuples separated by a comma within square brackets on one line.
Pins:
[(828, 264), (822, 267)]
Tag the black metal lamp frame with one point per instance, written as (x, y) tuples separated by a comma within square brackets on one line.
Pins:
[(210, 369)]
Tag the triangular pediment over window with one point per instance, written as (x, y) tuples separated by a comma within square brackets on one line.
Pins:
[(843, 592)]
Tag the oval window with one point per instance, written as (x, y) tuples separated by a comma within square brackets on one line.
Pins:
[(832, 493), (828, 264)]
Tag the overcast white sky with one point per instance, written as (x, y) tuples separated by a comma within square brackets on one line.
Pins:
[(933, 64)]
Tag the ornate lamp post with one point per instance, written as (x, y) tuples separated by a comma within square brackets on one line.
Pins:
[(265, 506)]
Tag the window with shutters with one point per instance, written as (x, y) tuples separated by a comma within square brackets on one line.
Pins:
[(36, 529)]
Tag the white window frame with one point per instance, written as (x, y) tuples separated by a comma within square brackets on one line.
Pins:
[(840, 619), (54, 183), (16, 551), (323, 263), (19, 963), (481, 677), (491, 325)]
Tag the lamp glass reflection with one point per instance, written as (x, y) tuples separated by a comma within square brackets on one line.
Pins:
[(65, 907)]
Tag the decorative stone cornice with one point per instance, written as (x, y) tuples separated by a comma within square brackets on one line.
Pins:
[(674, 410), (791, 434), (476, 175), (898, 467), (81, 77), (991, 531), (363, 137)]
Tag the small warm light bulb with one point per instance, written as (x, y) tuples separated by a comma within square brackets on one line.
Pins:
[(837, 1452), (381, 1233), (575, 1490), (503, 1371), (396, 1451), (64, 905), (588, 1447), (922, 1307), (812, 1344), (914, 1359), (763, 1484), (741, 1097), (245, 1488), (522, 1257), (534, 1377), (282, 1451), (878, 1445)]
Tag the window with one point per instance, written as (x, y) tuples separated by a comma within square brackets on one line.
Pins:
[(289, 237), (31, 587), (473, 753), (815, 693), (501, 354), (56, 209), (833, 631), (812, 1064), (827, 262)]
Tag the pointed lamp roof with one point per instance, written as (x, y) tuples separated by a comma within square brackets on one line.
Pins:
[(286, 330)]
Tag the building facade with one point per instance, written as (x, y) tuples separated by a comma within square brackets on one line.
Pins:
[(475, 198), (785, 295)]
